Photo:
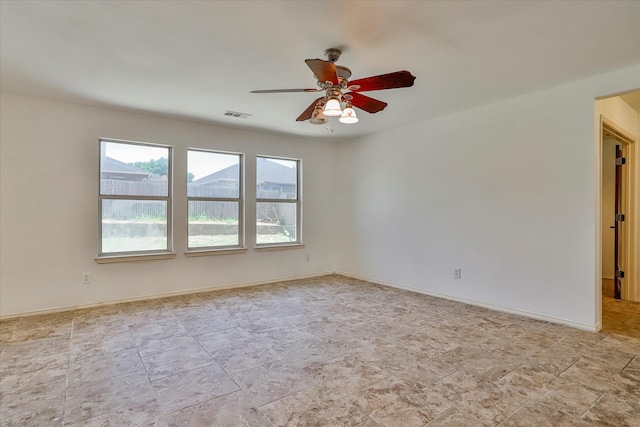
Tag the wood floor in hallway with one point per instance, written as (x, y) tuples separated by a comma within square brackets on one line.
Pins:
[(619, 317)]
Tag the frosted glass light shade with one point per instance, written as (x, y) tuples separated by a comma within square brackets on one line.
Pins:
[(348, 116), (318, 118), (332, 108)]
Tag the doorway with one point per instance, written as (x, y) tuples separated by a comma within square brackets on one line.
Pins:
[(620, 310)]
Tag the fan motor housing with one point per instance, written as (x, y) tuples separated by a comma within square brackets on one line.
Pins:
[(343, 72)]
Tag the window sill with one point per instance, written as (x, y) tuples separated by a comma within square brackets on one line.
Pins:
[(133, 258), (279, 247), (213, 252)]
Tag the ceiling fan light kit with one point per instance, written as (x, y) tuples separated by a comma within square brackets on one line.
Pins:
[(318, 117), (334, 81), (348, 116), (332, 108)]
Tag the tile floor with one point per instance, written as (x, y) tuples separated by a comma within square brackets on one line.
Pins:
[(328, 351)]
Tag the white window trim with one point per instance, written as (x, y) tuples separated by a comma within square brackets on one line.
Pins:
[(299, 243), (133, 258), (113, 257), (221, 250)]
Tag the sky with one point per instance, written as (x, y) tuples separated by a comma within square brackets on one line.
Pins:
[(200, 163)]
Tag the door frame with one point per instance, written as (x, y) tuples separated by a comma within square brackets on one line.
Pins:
[(629, 249)]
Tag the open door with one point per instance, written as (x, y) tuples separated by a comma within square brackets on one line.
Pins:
[(619, 218), (618, 208)]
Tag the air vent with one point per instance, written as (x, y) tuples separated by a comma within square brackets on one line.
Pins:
[(237, 114)]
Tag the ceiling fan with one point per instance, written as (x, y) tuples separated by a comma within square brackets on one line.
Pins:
[(334, 81)]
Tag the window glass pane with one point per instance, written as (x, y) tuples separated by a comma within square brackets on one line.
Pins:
[(213, 174), (134, 225), (276, 178), (213, 224), (133, 170), (276, 222)]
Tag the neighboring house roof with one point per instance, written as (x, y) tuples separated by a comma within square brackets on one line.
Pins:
[(268, 172), (111, 165), (226, 174)]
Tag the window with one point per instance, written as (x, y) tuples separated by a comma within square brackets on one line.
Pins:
[(214, 193), (135, 198), (278, 205)]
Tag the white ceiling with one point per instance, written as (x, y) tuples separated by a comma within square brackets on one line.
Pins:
[(198, 59)]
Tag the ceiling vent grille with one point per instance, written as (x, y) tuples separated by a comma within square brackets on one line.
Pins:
[(237, 114)]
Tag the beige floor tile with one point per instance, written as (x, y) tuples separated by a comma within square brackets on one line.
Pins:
[(171, 362), (601, 379), (231, 410), (189, 388), (151, 345), (456, 417), (634, 365), (224, 339), (614, 410), (237, 359), (6, 328), (89, 400), (33, 349), (100, 342), (567, 396), (32, 371), (541, 415), (40, 412), (327, 350), (345, 374), (555, 359), (418, 369), (97, 368), (137, 414), (273, 381), (313, 407), (393, 402)]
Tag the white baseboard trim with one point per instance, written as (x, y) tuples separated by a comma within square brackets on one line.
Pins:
[(161, 295), (556, 320), (598, 326), (577, 325)]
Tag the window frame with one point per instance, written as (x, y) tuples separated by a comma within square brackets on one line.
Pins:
[(227, 249), (141, 255), (297, 201)]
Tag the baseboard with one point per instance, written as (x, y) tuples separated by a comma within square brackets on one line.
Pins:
[(161, 295), (577, 325), (598, 326), (556, 320)]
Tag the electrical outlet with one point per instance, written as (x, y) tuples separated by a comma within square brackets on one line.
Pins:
[(86, 278), (457, 273)]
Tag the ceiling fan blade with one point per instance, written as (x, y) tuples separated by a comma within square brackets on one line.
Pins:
[(306, 115), (285, 90), (324, 71), (384, 81), (367, 104)]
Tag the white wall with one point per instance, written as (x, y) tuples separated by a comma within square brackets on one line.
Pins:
[(509, 192), (48, 222)]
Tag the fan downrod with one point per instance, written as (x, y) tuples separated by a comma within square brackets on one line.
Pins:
[(333, 54)]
